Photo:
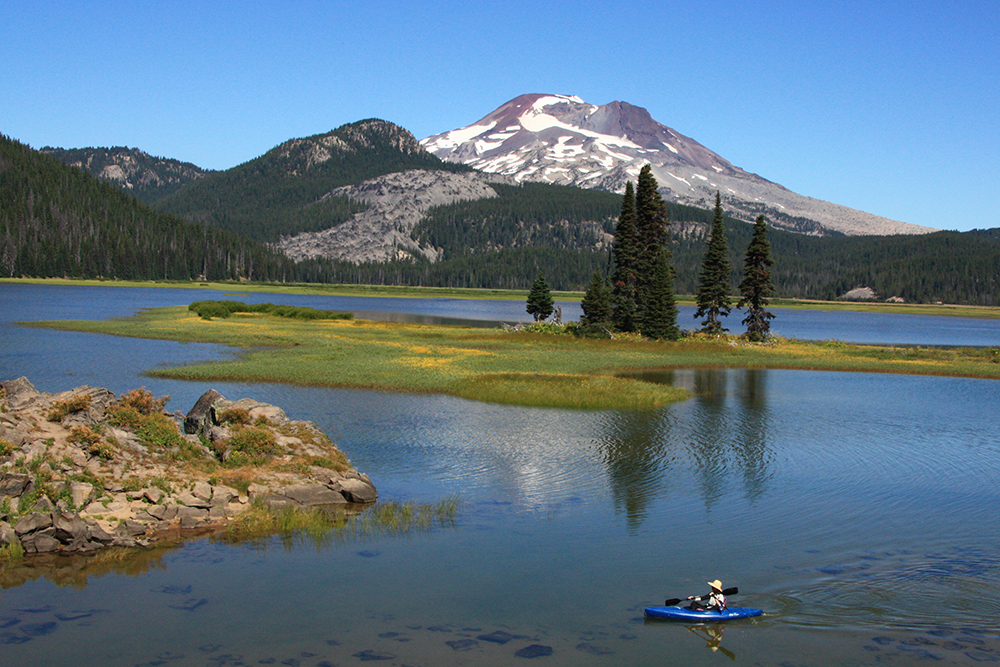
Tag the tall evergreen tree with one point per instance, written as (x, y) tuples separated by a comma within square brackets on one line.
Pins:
[(596, 304), (651, 230), (714, 283), (625, 274), (540, 304), (659, 319), (756, 284)]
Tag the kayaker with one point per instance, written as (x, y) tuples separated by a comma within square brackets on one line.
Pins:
[(714, 601)]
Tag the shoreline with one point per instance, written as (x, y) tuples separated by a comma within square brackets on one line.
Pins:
[(388, 291)]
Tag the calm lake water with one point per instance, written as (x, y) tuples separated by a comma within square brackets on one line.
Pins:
[(859, 511)]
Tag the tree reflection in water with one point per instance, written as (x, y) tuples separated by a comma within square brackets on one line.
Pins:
[(721, 432)]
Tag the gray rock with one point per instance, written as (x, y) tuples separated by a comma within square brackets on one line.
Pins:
[(153, 494), (69, 526), (7, 534), (42, 542), (31, 523), (356, 491), (81, 493), (190, 500), (199, 416), (20, 393), (202, 491), (130, 527), (313, 494), (191, 513), (15, 484), (99, 535), (223, 495), (157, 511), (43, 505)]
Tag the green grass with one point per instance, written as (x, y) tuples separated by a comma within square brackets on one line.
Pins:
[(322, 526), (519, 368)]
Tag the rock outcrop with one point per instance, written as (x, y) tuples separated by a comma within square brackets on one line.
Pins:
[(86, 469)]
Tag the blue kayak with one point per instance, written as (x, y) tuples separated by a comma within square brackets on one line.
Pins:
[(701, 616)]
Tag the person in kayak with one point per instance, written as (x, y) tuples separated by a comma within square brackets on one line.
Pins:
[(714, 601)]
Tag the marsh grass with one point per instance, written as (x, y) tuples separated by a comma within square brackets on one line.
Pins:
[(522, 368), (324, 526)]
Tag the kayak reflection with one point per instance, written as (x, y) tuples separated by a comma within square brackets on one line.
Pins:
[(712, 634)]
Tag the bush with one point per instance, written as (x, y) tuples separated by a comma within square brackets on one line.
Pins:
[(61, 409), (251, 445), (239, 416), (206, 310), (84, 436), (159, 432), (124, 416), (143, 402), (6, 449)]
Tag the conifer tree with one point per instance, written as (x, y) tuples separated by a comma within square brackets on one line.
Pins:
[(756, 284), (660, 315), (714, 282), (596, 302), (651, 230), (625, 274), (540, 304)]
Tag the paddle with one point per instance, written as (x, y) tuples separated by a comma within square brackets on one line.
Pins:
[(672, 601)]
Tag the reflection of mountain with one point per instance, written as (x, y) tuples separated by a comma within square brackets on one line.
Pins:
[(706, 441)]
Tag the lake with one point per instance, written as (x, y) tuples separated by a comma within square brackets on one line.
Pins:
[(858, 510)]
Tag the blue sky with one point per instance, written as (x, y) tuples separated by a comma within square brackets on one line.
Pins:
[(890, 107)]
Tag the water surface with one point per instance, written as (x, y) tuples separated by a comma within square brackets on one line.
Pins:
[(858, 510)]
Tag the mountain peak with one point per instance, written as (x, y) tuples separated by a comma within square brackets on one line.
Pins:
[(562, 139)]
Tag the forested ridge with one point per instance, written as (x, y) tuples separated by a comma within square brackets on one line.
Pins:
[(286, 190), (145, 177), (57, 220)]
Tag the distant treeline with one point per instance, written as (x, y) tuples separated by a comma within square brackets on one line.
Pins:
[(58, 221)]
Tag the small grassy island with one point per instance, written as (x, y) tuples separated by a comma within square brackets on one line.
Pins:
[(535, 366)]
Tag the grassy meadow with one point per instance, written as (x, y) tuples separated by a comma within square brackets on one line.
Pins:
[(520, 368)]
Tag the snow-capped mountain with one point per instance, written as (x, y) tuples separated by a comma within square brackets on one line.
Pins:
[(562, 139)]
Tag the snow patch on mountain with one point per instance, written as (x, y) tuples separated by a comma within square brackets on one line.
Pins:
[(561, 139)]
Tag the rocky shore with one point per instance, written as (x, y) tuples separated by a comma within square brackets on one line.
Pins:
[(86, 469)]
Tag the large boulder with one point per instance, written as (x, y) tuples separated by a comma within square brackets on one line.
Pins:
[(69, 527), (200, 417), (20, 393)]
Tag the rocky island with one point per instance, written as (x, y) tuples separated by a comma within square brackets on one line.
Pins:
[(86, 469)]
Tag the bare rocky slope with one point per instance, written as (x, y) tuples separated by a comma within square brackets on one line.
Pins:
[(562, 139), (85, 469), (397, 202)]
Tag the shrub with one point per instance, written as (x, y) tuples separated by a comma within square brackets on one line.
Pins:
[(159, 432), (143, 402), (6, 449), (124, 416), (61, 409), (3, 398), (239, 416), (206, 310), (84, 436), (255, 445)]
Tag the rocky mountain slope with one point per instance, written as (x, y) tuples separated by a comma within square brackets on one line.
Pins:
[(145, 177), (396, 203), (562, 139)]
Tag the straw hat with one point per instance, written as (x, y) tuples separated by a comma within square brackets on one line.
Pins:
[(717, 585)]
